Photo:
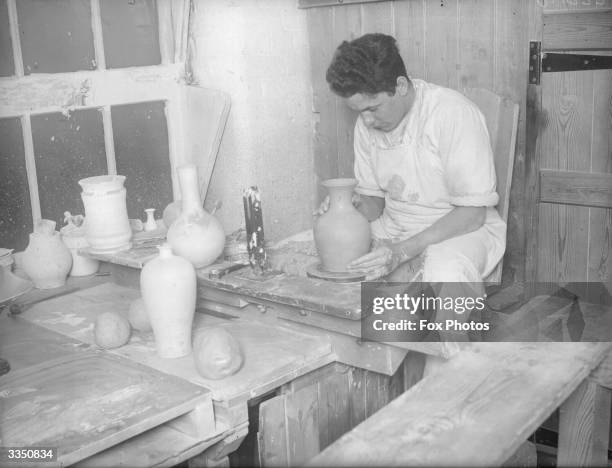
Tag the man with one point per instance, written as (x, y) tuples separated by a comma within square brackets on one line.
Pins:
[(425, 171)]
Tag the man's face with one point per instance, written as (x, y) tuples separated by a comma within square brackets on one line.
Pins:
[(379, 111)]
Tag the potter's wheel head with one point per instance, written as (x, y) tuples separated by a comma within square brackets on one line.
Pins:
[(11, 287)]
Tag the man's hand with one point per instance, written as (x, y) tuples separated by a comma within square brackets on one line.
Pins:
[(384, 257), (324, 206)]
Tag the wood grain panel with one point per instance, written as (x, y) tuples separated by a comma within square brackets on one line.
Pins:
[(7, 65), (67, 149), (576, 188), (320, 26), (410, 34), (441, 38), (377, 18), (600, 228), (56, 36), (272, 436), (476, 46), (471, 403), (577, 30), (563, 230), (347, 26), (15, 208)]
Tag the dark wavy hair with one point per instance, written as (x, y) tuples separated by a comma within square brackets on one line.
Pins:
[(369, 64)]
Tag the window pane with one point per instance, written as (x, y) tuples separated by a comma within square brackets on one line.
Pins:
[(15, 209), (56, 35), (7, 66), (67, 149), (130, 31), (142, 155)]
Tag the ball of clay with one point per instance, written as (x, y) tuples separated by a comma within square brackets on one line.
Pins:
[(216, 353), (138, 316), (111, 330)]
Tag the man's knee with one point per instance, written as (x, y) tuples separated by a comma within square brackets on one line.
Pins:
[(442, 264)]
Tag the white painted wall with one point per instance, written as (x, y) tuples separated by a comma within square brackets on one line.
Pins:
[(257, 51)]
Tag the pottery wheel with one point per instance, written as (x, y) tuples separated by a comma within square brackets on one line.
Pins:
[(317, 271)]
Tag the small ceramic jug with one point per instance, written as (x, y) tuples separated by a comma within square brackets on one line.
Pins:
[(341, 234), (46, 260)]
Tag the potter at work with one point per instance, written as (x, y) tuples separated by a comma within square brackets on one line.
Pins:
[(424, 167), (305, 233)]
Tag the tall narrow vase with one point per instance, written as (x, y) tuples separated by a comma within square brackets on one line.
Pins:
[(341, 234), (195, 235), (168, 287), (107, 227)]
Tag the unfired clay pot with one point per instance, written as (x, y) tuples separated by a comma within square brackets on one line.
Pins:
[(168, 287), (46, 260), (195, 235), (341, 234), (108, 227)]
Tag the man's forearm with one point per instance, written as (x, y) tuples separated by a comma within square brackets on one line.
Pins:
[(370, 207), (461, 220)]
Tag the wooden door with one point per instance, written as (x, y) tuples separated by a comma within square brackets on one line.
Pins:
[(569, 154)]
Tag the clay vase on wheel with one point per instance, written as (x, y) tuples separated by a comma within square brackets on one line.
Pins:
[(196, 234), (341, 234)]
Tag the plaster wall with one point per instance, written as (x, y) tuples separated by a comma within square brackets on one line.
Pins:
[(257, 51)]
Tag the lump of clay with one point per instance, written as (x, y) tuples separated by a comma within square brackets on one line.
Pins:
[(111, 330), (138, 317), (216, 353)]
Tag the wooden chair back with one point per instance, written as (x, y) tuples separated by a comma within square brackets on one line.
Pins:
[(501, 116)]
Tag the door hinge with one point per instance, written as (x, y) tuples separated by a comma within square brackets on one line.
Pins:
[(550, 62), (535, 62)]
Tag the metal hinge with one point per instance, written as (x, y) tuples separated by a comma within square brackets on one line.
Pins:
[(546, 62)]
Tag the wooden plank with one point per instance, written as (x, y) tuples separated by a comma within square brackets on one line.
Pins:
[(569, 30), (343, 300), (476, 44), (322, 3), (567, 100), (90, 401), (56, 92), (410, 35), (347, 26), (584, 427), (357, 393), (441, 38), (600, 247), (334, 411), (576, 188), (377, 18), (302, 413), (473, 402), (534, 119), (320, 32), (272, 436)]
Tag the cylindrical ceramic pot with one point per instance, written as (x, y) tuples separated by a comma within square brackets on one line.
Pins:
[(341, 234), (195, 235), (168, 288), (46, 260), (108, 227), (81, 266)]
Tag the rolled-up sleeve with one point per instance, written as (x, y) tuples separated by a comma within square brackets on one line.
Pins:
[(367, 184), (467, 158)]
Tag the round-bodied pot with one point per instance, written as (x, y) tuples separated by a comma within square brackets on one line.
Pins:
[(341, 234), (168, 288), (196, 234), (46, 260)]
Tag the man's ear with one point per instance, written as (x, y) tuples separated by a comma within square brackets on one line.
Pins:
[(401, 87)]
